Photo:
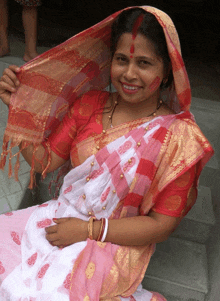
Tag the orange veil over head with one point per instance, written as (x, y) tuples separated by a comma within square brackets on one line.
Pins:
[(80, 64)]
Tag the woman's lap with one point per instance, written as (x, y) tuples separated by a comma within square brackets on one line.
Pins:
[(12, 226)]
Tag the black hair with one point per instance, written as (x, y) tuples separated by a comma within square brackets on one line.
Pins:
[(149, 27)]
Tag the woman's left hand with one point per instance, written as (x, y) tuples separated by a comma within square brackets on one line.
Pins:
[(67, 231)]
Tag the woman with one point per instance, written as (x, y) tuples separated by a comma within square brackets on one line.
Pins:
[(134, 177)]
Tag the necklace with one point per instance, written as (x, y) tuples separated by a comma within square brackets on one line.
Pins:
[(159, 104)]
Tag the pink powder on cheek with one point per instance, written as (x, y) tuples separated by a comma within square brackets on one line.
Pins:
[(155, 84)]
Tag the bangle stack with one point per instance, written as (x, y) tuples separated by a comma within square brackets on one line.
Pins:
[(90, 227), (103, 229)]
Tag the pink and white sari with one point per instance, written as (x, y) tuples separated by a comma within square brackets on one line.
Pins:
[(91, 270)]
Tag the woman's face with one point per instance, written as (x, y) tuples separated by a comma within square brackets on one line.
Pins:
[(136, 70)]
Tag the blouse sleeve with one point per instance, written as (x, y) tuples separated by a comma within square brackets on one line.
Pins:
[(61, 140), (78, 115), (177, 198)]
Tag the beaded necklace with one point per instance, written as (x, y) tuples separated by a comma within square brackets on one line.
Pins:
[(159, 104), (92, 164)]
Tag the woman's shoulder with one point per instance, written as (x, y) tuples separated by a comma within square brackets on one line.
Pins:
[(94, 96), (184, 131), (91, 99)]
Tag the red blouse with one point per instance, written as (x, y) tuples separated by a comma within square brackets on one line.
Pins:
[(79, 124)]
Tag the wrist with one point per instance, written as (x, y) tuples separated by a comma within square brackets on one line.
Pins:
[(96, 229), (84, 232)]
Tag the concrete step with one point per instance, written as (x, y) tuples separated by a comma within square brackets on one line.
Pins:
[(197, 225), (178, 268), (172, 298), (206, 113)]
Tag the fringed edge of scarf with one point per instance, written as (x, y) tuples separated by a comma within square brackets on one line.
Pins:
[(7, 147)]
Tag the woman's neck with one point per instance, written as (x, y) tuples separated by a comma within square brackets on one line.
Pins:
[(140, 109)]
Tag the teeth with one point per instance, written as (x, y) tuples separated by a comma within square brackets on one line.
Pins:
[(130, 88)]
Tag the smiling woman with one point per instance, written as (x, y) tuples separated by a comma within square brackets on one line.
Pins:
[(134, 78), (134, 177)]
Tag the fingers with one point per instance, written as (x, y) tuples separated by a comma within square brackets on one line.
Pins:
[(52, 237), (60, 220), (6, 84), (14, 68), (9, 76), (51, 229)]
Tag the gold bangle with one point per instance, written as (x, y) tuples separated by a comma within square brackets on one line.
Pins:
[(90, 227)]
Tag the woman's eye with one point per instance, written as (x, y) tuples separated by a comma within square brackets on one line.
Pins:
[(121, 59), (143, 63)]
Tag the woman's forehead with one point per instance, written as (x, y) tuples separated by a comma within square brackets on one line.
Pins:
[(142, 45)]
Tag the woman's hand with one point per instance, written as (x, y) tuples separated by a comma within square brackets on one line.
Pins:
[(9, 83), (67, 231)]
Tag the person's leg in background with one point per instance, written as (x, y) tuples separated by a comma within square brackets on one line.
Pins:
[(4, 43), (29, 17)]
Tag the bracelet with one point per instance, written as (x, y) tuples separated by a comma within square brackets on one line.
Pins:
[(101, 229), (90, 227), (105, 230)]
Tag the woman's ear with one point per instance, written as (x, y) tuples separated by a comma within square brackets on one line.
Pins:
[(167, 71), (168, 76)]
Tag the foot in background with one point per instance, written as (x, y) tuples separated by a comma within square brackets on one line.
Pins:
[(29, 56)]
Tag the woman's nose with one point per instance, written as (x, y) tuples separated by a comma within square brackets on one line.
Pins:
[(130, 72)]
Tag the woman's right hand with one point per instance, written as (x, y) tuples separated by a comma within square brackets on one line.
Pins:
[(9, 83)]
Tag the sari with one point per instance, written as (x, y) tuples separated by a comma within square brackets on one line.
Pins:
[(162, 150)]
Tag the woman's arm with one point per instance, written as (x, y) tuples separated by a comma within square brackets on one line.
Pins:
[(139, 230), (131, 231), (42, 156), (171, 204)]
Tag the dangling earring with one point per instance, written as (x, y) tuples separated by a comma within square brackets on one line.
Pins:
[(164, 81), (110, 85)]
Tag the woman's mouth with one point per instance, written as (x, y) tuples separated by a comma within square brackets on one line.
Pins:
[(130, 89)]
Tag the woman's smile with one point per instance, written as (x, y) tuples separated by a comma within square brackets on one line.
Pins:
[(130, 89)]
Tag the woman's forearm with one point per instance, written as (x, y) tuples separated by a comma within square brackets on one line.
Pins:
[(138, 230), (40, 155), (41, 158)]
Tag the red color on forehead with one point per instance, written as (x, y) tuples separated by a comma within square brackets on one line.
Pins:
[(136, 26), (132, 48)]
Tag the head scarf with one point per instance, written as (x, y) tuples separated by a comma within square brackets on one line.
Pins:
[(80, 64)]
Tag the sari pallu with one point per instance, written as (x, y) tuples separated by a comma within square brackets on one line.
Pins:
[(78, 65)]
